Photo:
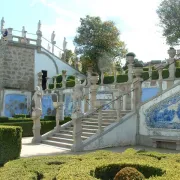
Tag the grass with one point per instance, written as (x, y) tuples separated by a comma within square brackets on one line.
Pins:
[(101, 165)]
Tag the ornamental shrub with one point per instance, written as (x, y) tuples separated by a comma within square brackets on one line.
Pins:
[(10, 143), (128, 173)]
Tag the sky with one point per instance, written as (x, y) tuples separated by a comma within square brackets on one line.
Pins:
[(136, 19)]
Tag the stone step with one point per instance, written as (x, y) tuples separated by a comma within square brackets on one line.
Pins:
[(65, 146), (63, 140), (68, 136), (87, 126), (96, 120), (87, 122), (103, 117), (87, 134), (94, 130)]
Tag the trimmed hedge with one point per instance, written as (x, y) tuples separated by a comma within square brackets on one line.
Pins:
[(122, 78), (27, 124), (3, 119), (21, 116), (102, 165), (10, 143), (49, 117)]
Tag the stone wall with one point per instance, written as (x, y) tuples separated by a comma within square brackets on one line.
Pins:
[(16, 67)]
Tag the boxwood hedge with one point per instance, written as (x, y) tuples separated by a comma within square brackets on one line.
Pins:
[(101, 165), (10, 143)]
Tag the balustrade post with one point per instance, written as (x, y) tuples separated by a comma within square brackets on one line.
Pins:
[(64, 78), (55, 82), (130, 61), (150, 72), (124, 102), (77, 131), (137, 86), (93, 96), (47, 83), (171, 61)]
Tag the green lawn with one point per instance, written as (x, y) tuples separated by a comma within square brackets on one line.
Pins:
[(97, 165)]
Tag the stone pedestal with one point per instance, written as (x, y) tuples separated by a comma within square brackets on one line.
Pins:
[(36, 115), (77, 131), (130, 72), (93, 90)]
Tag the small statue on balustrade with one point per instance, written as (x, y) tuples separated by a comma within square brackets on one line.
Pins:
[(37, 103), (78, 95)]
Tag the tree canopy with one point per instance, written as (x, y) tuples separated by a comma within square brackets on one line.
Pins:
[(169, 14), (95, 38)]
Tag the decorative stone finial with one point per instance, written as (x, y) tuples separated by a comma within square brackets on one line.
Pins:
[(39, 26), (52, 37), (23, 32), (171, 52), (64, 44)]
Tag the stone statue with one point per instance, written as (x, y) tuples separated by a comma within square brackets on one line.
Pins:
[(64, 44), (2, 24), (36, 115), (23, 32), (52, 37), (37, 99), (77, 95), (39, 26)]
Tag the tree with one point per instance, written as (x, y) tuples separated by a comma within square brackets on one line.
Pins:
[(95, 38), (69, 55), (169, 14)]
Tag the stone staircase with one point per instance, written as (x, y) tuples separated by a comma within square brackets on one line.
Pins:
[(64, 138)]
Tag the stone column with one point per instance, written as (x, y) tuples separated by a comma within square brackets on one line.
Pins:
[(9, 36), (118, 95), (171, 61), (77, 131), (61, 106)]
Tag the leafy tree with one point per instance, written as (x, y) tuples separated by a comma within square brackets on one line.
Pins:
[(169, 14), (95, 38), (69, 55)]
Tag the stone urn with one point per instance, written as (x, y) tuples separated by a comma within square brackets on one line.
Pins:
[(130, 58), (94, 78), (171, 52)]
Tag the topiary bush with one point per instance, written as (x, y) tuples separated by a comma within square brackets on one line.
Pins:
[(49, 118), (3, 119), (128, 173), (10, 143), (21, 116), (122, 78)]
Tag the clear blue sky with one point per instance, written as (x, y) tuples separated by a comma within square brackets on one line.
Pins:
[(137, 23)]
